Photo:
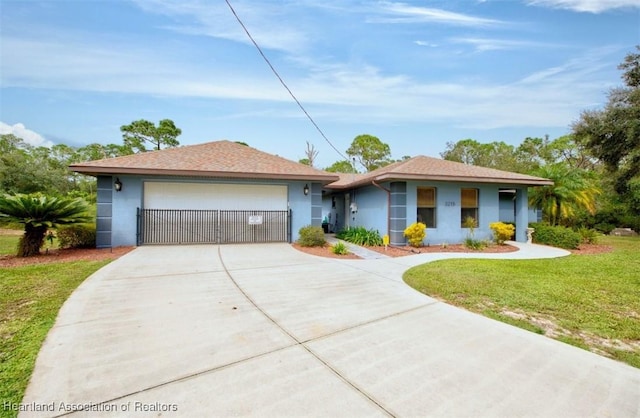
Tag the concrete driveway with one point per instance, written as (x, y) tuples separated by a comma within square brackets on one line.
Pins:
[(265, 330)]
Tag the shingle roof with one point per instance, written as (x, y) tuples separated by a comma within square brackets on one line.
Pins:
[(435, 169), (212, 159)]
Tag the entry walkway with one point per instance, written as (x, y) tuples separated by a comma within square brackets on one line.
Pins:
[(268, 331)]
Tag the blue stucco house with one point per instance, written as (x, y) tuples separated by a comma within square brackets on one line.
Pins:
[(225, 192), (437, 192)]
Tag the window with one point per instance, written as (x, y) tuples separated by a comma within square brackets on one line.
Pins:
[(427, 206), (469, 205)]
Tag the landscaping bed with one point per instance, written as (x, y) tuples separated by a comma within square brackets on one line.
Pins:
[(65, 255)]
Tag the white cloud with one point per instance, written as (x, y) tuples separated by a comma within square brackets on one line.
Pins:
[(590, 6), (29, 136), (334, 91), (392, 12), (486, 44), (215, 19)]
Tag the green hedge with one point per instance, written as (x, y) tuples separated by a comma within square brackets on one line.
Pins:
[(77, 236), (556, 236)]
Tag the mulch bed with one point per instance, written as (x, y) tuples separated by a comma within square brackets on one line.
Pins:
[(587, 249), (66, 255), (324, 251), (406, 250)]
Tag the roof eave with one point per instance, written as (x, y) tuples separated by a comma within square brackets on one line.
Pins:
[(205, 174), (420, 177)]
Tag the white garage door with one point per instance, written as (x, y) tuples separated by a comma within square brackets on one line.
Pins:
[(190, 213), (161, 195)]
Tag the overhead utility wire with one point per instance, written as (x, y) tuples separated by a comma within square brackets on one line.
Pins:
[(282, 81)]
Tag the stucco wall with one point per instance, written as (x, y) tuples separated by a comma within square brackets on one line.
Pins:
[(125, 203), (372, 210)]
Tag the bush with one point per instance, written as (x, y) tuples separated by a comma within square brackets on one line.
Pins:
[(502, 231), (339, 248), (360, 236), (311, 236), (605, 228), (77, 236), (416, 233), (474, 244), (589, 236), (556, 236)]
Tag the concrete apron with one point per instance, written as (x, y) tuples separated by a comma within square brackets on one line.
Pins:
[(265, 330)]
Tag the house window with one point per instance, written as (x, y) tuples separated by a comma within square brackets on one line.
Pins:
[(469, 204), (427, 206)]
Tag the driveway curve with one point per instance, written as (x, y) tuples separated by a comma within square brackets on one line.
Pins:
[(264, 330)]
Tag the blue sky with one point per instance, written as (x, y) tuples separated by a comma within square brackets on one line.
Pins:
[(417, 74)]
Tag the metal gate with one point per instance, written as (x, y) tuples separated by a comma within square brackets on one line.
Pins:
[(178, 226)]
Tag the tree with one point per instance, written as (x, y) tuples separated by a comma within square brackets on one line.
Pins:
[(613, 134), (38, 213), (497, 155), (370, 152), (140, 132), (311, 154), (572, 190), (343, 166)]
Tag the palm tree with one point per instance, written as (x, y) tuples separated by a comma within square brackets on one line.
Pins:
[(38, 213), (572, 189)]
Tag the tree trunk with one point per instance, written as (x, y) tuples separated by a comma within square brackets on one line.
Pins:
[(31, 241)]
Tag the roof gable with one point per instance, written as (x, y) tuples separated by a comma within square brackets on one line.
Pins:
[(436, 169), (211, 159)]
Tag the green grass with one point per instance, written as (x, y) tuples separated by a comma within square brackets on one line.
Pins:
[(30, 299), (9, 244), (591, 301)]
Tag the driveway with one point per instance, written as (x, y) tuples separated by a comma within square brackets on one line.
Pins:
[(265, 330)]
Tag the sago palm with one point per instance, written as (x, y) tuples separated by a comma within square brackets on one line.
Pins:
[(38, 213), (571, 190)]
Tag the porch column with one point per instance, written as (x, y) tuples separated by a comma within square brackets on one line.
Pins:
[(522, 214), (316, 204), (104, 214), (398, 213)]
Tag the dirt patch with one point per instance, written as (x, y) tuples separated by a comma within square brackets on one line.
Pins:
[(11, 231), (66, 255), (587, 249)]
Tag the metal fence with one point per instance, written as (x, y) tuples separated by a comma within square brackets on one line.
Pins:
[(173, 226)]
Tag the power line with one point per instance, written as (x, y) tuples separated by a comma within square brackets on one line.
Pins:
[(282, 81)]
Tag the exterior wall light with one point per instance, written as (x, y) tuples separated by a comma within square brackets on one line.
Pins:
[(117, 185), (306, 189)]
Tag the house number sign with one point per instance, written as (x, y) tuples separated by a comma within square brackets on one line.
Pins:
[(255, 220), (449, 203)]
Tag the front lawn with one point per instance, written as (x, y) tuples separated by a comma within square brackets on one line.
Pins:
[(30, 299), (591, 301)]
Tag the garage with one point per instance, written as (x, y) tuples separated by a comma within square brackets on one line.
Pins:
[(215, 192), (199, 213)]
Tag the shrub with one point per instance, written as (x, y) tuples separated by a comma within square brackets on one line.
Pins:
[(360, 236), (474, 244), (311, 236), (339, 248), (605, 228), (556, 236), (502, 231), (589, 236), (416, 233), (77, 236)]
